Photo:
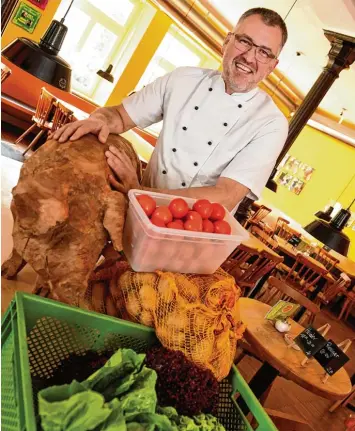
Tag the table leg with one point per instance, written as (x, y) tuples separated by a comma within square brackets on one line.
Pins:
[(256, 289), (259, 384)]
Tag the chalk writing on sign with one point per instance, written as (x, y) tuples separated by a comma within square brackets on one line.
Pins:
[(310, 341), (331, 357)]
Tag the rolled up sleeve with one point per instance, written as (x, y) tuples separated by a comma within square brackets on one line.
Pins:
[(253, 165), (145, 107)]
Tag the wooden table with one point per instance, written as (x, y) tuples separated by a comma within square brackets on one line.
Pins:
[(255, 242), (287, 248), (143, 148), (345, 264), (283, 361)]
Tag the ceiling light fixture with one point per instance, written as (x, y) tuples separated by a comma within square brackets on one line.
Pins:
[(106, 74), (41, 59)]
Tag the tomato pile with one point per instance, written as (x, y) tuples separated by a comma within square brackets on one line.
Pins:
[(204, 216)]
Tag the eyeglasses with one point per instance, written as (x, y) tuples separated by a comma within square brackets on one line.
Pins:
[(243, 44)]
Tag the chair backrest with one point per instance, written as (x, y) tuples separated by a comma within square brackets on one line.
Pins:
[(280, 222), (44, 108), (263, 265), (264, 237), (304, 274), (261, 213), (62, 116), (288, 291), (333, 289), (326, 259), (286, 232), (239, 256), (5, 72)]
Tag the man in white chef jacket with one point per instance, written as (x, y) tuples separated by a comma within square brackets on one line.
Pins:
[(221, 134)]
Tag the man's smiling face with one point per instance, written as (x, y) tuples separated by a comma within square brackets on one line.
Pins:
[(241, 70)]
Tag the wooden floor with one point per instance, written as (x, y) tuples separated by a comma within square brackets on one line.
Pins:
[(285, 396)]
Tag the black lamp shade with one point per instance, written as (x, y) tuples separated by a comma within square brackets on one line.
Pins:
[(106, 74), (329, 236), (41, 60)]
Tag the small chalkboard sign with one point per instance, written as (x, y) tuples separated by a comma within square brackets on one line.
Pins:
[(331, 357), (310, 341), (294, 240)]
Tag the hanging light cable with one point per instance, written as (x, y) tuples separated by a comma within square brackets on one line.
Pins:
[(289, 65)]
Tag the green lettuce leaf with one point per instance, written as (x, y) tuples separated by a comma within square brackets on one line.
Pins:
[(117, 375), (116, 421), (120, 396), (71, 408)]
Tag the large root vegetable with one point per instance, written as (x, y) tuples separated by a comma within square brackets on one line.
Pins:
[(65, 212)]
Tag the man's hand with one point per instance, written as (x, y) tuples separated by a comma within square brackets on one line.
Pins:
[(123, 169), (73, 131), (101, 122)]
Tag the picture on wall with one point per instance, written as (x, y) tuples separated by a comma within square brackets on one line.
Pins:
[(293, 174), (26, 17), (39, 3)]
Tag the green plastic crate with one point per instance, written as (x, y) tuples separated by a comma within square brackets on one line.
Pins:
[(38, 333)]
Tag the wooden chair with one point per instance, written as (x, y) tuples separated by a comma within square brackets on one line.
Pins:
[(326, 259), (41, 119), (264, 264), (304, 274), (62, 115), (256, 218), (348, 303), (278, 289), (280, 222), (264, 237), (286, 232), (238, 260), (332, 290), (5, 72)]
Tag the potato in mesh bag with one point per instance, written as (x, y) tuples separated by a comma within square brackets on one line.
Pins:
[(195, 314)]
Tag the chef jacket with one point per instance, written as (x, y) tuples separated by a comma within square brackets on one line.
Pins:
[(206, 132)]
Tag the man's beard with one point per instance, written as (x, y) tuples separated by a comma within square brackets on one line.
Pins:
[(244, 85)]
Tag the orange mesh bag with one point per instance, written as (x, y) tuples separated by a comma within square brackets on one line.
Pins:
[(196, 314)]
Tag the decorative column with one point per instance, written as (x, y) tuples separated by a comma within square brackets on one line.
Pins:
[(341, 56)]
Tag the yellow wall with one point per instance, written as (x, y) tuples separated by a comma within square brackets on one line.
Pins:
[(334, 164), (12, 31)]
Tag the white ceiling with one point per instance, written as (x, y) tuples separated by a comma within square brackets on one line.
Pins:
[(305, 24)]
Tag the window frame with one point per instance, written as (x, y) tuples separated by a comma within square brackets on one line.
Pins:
[(121, 32)]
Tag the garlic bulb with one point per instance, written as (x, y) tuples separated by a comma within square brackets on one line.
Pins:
[(282, 326)]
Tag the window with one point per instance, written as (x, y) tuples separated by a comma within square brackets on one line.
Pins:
[(100, 32), (176, 49)]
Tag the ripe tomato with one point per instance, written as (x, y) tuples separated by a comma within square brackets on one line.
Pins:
[(203, 207), (157, 222), (193, 215), (179, 222), (207, 226), (178, 208), (147, 203), (161, 216), (175, 225), (195, 225), (218, 212), (223, 227)]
